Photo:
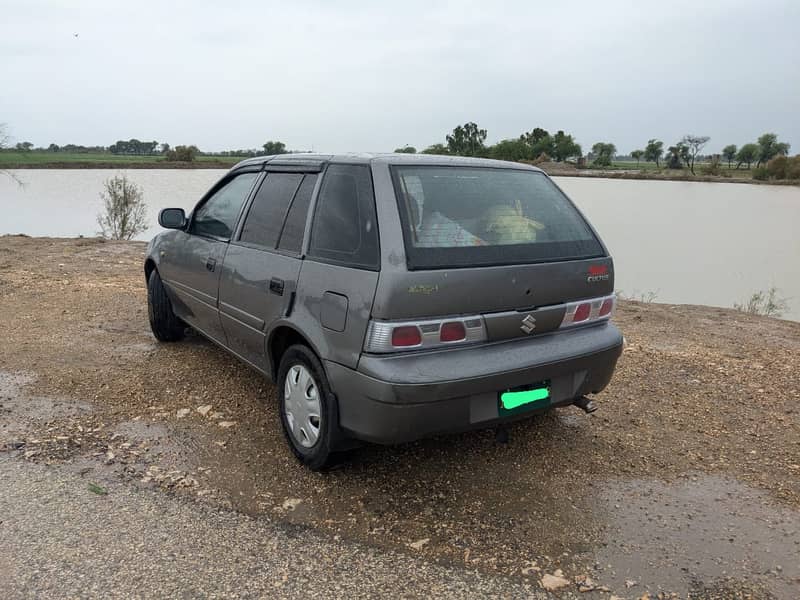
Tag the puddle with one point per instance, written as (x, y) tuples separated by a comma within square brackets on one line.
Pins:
[(162, 445), (12, 383), (694, 532), (139, 431), (18, 411), (41, 408)]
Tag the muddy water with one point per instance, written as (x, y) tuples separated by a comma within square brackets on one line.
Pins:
[(18, 411), (698, 529), (683, 242)]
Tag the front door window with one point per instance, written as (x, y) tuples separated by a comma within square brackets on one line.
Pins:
[(216, 217)]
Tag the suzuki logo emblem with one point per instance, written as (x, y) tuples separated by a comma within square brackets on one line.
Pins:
[(528, 324)]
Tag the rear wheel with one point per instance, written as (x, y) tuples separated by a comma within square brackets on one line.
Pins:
[(307, 408), (163, 322)]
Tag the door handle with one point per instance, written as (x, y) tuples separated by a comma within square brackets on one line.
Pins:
[(211, 263), (276, 286)]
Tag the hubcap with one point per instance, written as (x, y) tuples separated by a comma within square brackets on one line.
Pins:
[(301, 406)]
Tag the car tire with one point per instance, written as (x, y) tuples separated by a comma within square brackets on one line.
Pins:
[(307, 408), (163, 322)]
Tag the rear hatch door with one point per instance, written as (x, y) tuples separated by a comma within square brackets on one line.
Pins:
[(503, 295), (491, 239)]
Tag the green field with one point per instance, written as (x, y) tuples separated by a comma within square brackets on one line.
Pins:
[(37, 159)]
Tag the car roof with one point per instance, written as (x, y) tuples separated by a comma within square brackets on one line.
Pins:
[(392, 158)]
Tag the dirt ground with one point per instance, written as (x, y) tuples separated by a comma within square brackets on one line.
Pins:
[(686, 481)]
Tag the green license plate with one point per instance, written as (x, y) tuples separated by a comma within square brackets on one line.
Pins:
[(530, 398)]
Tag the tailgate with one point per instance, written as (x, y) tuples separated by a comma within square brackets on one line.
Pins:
[(504, 295)]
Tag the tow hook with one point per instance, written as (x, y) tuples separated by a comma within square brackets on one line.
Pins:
[(585, 404)]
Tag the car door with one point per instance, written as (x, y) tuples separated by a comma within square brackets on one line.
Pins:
[(262, 264), (190, 266)]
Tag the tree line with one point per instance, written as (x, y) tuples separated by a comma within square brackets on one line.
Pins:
[(687, 150), (539, 145), (470, 140), (536, 145), (135, 147)]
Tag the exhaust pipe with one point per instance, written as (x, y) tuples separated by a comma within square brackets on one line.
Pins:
[(585, 404)]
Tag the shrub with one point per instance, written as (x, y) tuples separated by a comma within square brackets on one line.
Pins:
[(542, 158), (766, 303), (793, 168), (760, 173), (713, 168), (124, 211), (182, 154), (602, 161), (776, 167)]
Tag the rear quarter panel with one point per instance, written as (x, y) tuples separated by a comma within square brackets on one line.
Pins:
[(358, 286)]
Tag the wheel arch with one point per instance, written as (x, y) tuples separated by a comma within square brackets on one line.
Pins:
[(280, 339), (149, 267)]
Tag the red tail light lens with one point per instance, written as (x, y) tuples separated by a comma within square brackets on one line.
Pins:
[(452, 331), (598, 270), (407, 335), (582, 312), (606, 307)]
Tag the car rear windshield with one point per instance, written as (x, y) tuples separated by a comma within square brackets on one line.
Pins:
[(466, 216)]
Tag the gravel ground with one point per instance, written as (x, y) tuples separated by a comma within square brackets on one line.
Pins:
[(699, 426), (60, 539)]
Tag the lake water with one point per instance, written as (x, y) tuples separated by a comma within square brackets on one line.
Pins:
[(681, 242)]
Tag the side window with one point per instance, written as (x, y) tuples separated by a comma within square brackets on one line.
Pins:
[(293, 229), (345, 228), (217, 216), (264, 220)]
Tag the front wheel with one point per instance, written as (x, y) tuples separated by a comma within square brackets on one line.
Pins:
[(163, 322), (306, 407)]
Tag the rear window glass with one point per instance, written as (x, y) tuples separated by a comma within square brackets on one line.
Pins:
[(345, 229), (463, 216), (294, 228)]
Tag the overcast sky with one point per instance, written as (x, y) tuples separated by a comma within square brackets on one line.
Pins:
[(353, 76)]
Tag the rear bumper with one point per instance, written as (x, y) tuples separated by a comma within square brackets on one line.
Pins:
[(405, 397)]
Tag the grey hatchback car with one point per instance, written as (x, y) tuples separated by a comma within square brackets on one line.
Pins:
[(391, 297)]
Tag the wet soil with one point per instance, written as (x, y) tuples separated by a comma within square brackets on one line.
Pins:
[(696, 443)]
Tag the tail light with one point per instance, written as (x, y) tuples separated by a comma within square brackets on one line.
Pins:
[(397, 336), (394, 336), (406, 336), (452, 331), (607, 307), (589, 311), (582, 312)]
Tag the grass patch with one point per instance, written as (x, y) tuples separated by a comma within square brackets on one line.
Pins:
[(102, 159), (53, 157)]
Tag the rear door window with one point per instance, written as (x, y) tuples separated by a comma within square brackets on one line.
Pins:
[(344, 230), (295, 226), (466, 216), (264, 221)]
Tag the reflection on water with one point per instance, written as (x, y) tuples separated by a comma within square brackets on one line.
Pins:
[(697, 243)]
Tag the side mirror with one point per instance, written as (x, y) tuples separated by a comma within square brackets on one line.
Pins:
[(172, 218)]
